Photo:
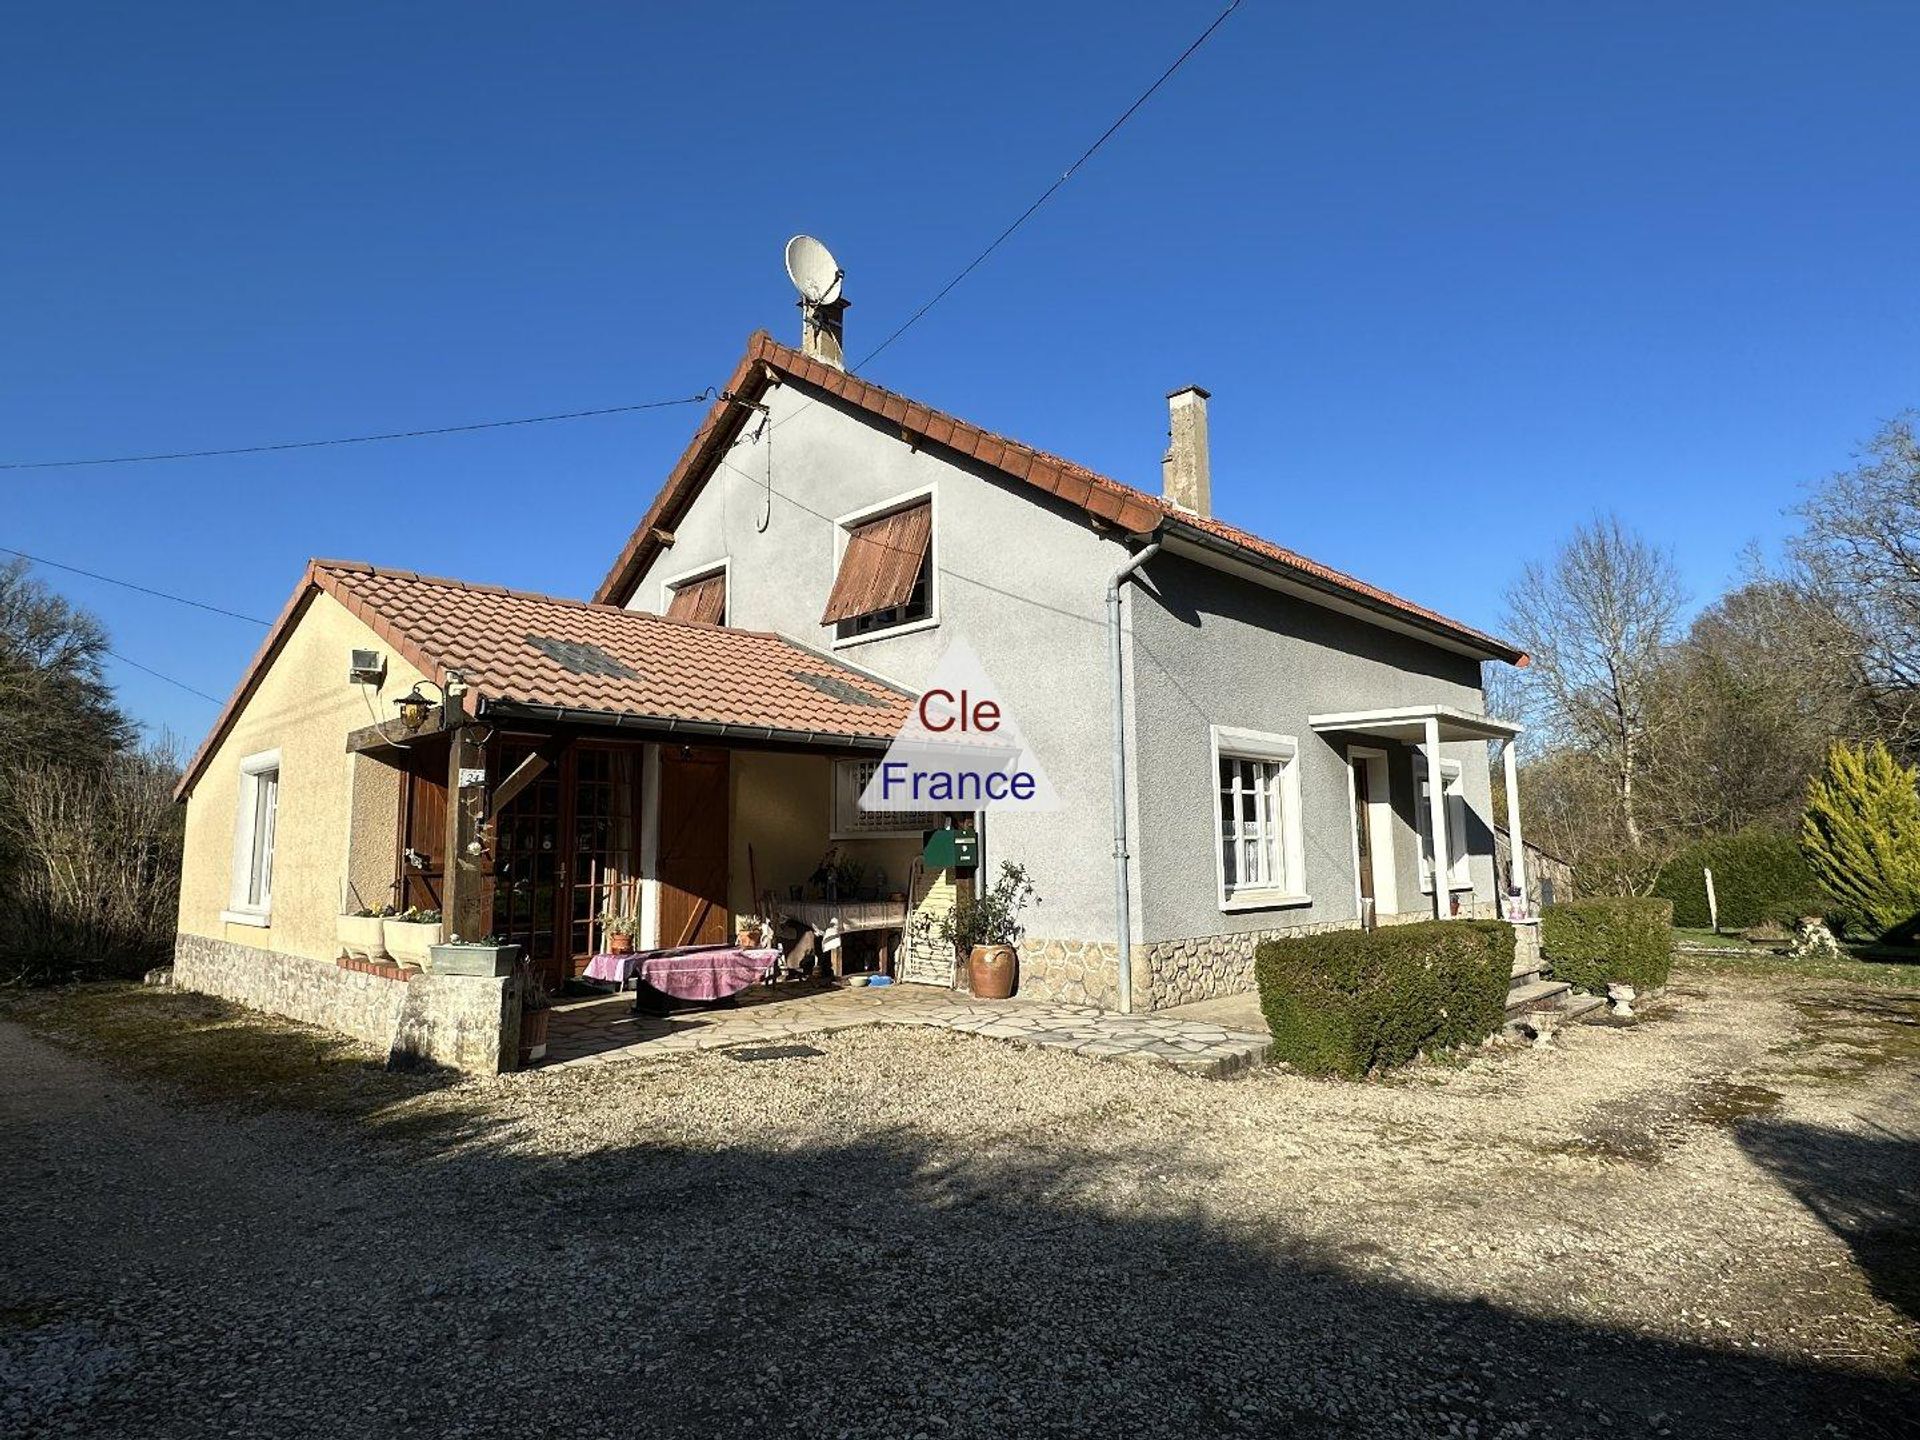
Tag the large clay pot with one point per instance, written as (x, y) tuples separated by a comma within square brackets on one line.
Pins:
[(990, 971)]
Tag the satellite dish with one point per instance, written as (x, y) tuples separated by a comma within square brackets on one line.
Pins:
[(811, 267)]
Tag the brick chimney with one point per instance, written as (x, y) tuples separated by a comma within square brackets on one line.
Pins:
[(1186, 476)]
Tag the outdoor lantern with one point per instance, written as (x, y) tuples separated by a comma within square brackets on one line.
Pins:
[(413, 708)]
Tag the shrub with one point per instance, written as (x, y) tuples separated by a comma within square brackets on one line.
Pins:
[(1353, 1001), (1759, 875), (1591, 943), (1861, 835)]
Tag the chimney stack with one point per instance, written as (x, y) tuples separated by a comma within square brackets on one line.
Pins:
[(1186, 475), (822, 327)]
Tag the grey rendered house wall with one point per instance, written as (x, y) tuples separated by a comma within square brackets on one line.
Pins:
[(1021, 577), (1210, 649)]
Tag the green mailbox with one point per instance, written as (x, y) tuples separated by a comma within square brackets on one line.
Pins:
[(952, 850)]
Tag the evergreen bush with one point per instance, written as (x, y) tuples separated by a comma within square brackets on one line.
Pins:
[(1353, 1001), (1759, 875), (1861, 837), (1593, 943)]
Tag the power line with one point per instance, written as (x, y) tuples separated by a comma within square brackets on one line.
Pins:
[(181, 684), (129, 585), (1047, 194), (701, 398)]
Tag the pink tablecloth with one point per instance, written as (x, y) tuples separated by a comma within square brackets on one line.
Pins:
[(702, 972)]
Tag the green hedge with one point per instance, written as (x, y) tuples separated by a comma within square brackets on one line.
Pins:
[(1592, 942), (1758, 875), (1349, 1002)]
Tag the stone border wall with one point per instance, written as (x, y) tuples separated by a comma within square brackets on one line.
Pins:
[(469, 1023), (1070, 972)]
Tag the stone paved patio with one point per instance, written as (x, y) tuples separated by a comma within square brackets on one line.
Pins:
[(605, 1031)]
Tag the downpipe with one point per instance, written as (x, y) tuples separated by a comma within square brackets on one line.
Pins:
[(1122, 898)]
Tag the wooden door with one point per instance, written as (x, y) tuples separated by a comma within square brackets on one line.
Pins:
[(423, 831), (693, 847), (528, 860), (602, 874)]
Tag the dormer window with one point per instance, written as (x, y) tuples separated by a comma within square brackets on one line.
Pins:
[(700, 597), (886, 577)]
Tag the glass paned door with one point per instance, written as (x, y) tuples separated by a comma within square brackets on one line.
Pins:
[(527, 859), (604, 867)]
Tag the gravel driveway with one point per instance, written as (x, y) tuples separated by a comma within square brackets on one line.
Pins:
[(1703, 1225)]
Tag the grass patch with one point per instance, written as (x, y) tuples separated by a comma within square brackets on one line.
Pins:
[(1890, 974), (1723, 940), (214, 1050)]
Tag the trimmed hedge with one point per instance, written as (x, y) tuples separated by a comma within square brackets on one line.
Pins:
[(1758, 875), (1350, 1001), (1590, 943)]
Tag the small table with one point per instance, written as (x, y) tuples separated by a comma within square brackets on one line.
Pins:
[(834, 920), (702, 973)]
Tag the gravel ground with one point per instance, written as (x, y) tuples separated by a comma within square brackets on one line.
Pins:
[(1701, 1225)]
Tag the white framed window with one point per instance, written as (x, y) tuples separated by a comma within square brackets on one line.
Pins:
[(256, 813), (886, 569), (1259, 856), (850, 822), (1454, 797)]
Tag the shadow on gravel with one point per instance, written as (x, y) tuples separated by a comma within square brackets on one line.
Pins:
[(1864, 1188)]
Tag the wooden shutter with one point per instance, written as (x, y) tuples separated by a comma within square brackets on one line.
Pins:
[(881, 564), (701, 600)]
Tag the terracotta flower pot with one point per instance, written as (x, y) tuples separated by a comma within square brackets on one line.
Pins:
[(619, 944), (991, 971)]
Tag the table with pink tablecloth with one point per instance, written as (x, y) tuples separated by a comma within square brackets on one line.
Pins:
[(693, 972)]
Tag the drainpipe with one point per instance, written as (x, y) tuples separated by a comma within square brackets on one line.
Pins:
[(1122, 901)]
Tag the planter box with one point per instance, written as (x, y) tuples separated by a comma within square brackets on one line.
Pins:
[(485, 960), (362, 937), (411, 942)]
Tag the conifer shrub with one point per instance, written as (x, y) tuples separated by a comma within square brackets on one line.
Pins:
[(1861, 838), (1352, 1001)]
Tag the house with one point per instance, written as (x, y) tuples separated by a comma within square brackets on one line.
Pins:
[(1291, 748)]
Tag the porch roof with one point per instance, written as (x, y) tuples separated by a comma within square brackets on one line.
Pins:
[(1409, 723), (522, 654)]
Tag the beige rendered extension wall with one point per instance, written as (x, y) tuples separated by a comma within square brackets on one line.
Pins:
[(305, 708)]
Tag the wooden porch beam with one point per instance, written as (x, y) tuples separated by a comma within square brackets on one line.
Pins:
[(527, 771), (389, 735), (467, 884)]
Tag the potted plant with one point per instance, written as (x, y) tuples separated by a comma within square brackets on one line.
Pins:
[(411, 935), (536, 1008), (362, 933), (986, 926), (619, 930), (493, 956)]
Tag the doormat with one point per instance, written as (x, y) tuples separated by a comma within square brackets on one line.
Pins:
[(748, 1053)]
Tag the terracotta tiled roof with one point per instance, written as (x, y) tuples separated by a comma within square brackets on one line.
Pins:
[(1121, 506), (513, 648)]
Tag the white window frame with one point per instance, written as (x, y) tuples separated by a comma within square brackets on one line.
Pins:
[(900, 825), (707, 571), (1459, 862), (1230, 742), (843, 523), (243, 906)]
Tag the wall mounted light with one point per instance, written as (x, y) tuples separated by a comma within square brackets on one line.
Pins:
[(415, 707)]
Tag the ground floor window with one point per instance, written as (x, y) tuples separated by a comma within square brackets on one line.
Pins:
[(256, 814), (1257, 818), (1459, 874)]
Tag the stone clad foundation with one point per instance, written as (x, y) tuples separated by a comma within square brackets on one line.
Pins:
[(460, 1022), (1170, 972)]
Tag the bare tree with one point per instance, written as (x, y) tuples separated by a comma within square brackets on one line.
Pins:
[(1597, 621), (1859, 555)]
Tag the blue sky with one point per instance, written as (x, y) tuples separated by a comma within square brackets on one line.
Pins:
[(1457, 275)]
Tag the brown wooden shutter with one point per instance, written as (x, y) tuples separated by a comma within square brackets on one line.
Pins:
[(701, 600), (882, 561)]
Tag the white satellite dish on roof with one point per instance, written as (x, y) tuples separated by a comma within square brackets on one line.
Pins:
[(811, 267)]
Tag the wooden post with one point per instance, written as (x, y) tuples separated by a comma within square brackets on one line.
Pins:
[(1437, 822), (468, 883)]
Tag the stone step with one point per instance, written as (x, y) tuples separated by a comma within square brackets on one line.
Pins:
[(1522, 969), (1534, 995), (1582, 1007)]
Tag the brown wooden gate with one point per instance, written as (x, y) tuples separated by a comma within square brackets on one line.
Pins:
[(693, 847)]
